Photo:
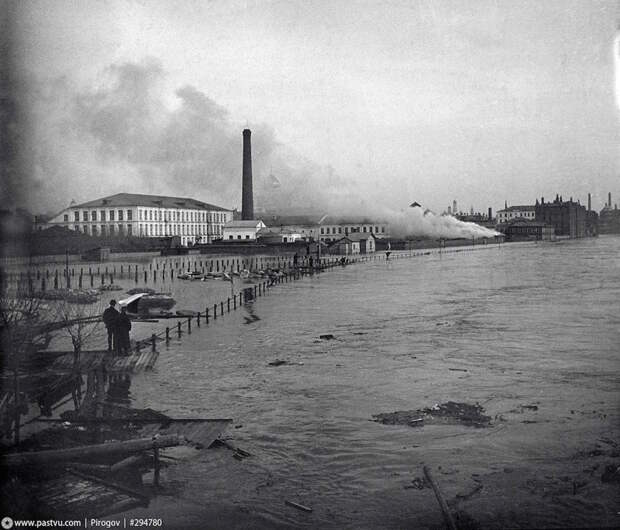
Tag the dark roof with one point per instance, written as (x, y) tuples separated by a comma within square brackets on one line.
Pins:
[(360, 236), (252, 223), (527, 207), (153, 201), (291, 220)]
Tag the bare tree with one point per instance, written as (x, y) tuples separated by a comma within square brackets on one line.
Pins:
[(21, 333)]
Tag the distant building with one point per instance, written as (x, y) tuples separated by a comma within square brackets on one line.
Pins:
[(529, 231), (609, 219), (510, 213), (327, 228), (243, 230), (278, 235), (367, 242), (333, 228), (344, 247), (567, 217), (133, 214)]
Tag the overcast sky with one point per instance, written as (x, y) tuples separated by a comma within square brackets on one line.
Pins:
[(395, 101)]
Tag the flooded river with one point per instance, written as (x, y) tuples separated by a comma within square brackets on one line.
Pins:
[(528, 331)]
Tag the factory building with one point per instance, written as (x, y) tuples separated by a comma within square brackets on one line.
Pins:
[(567, 217), (609, 219), (132, 214), (511, 213)]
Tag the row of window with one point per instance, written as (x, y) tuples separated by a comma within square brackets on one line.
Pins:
[(92, 215), (105, 230), (502, 216), (352, 230), (182, 216), (147, 215), (178, 230), (150, 230)]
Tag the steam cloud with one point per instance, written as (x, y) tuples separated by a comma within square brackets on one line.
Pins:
[(126, 136)]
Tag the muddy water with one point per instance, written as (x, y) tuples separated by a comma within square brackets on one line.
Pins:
[(533, 325)]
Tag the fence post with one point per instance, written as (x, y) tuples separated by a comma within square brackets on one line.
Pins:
[(179, 328), (221, 308), (214, 311), (198, 319), (228, 304), (189, 325), (207, 315), (153, 339), (167, 335), (234, 301)]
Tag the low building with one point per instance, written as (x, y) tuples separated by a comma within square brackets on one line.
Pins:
[(367, 242), (334, 228), (343, 247), (327, 228), (523, 230), (133, 214), (242, 230), (511, 213), (568, 218), (278, 235)]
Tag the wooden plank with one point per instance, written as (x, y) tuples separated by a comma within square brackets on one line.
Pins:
[(88, 451)]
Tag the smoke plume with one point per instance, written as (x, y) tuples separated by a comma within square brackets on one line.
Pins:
[(132, 133)]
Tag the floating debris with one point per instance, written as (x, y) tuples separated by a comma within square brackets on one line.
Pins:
[(298, 506), (450, 413), (278, 362), (137, 290), (327, 336)]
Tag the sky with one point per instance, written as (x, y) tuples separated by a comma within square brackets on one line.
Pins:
[(352, 104)]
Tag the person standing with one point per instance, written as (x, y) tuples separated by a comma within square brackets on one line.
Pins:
[(123, 326), (110, 318)]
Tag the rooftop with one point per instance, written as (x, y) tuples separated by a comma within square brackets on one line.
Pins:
[(526, 208), (251, 223), (152, 201)]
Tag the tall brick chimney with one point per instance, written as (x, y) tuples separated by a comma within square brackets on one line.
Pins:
[(490, 213), (589, 202), (247, 196), (609, 196)]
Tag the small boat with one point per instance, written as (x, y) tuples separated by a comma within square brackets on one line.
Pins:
[(186, 313), (143, 303)]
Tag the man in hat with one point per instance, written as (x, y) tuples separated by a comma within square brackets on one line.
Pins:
[(110, 319)]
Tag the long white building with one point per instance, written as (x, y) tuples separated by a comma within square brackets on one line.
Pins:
[(134, 214)]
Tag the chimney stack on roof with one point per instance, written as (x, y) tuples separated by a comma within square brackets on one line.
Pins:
[(589, 202), (247, 196), (609, 199)]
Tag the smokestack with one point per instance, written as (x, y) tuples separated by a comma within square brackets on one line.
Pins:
[(247, 199), (609, 197), (454, 207), (589, 202), (490, 213)]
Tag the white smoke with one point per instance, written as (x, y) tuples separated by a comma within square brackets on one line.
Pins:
[(416, 222)]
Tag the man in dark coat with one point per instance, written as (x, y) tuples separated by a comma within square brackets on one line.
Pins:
[(110, 317), (123, 326)]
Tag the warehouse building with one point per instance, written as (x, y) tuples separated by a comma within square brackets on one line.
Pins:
[(133, 214)]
